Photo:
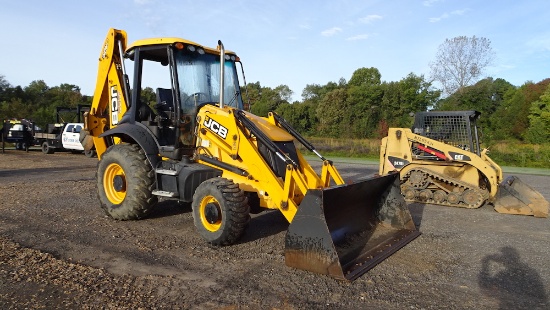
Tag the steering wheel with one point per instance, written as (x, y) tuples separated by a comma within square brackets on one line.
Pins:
[(196, 98)]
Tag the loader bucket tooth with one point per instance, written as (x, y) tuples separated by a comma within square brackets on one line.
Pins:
[(516, 197), (346, 230)]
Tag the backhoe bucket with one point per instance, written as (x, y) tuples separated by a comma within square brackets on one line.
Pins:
[(516, 197), (346, 230)]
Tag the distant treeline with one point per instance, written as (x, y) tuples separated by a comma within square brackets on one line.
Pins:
[(363, 107)]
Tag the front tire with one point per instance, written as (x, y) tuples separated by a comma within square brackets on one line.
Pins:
[(125, 182), (220, 211)]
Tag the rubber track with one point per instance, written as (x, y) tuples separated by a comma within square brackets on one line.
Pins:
[(462, 186)]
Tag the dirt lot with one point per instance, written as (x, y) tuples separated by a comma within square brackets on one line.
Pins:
[(59, 250)]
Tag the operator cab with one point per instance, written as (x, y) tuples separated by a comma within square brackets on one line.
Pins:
[(193, 73)]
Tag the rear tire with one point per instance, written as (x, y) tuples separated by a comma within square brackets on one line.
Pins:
[(220, 211), (90, 153), (125, 181), (46, 149)]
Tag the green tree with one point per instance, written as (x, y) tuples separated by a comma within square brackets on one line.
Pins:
[(511, 119), (36, 93), (300, 115), (149, 96), (64, 95), (15, 108), (268, 99), (539, 119), (485, 96), (330, 113), (364, 100), (4, 86), (408, 96)]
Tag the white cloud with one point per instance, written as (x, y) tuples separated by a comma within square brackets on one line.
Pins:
[(358, 37), (430, 2), (304, 26), (447, 15), (459, 12), (437, 19), (330, 32), (369, 19), (142, 2)]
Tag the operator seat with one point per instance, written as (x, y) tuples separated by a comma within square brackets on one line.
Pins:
[(165, 103), (167, 124)]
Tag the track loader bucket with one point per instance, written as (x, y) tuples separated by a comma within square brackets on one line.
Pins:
[(346, 230), (516, 197)]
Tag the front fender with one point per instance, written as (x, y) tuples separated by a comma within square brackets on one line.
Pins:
[(140, 135)]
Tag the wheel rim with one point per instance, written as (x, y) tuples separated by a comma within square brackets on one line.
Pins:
[(210, 213), (114, 183), (453, 198), (425, 195), (408, 192), (471, 197), (440, 196)]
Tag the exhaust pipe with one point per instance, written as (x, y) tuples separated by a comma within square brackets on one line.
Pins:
[(222, 71)]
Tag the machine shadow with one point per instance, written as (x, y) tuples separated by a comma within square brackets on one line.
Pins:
[(417, 212), (516, 285), (264, 224), (167, 208)]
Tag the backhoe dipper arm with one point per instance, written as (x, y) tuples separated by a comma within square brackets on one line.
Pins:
[(111, 99)]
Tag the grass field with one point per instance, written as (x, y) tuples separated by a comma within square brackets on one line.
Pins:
[(506, 153)]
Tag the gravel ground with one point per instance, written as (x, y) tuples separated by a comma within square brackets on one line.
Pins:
[(59, 250)]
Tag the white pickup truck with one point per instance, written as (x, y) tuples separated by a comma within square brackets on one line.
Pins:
[(62, 136)]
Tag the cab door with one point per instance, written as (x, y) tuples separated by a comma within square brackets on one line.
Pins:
[(70, 137)]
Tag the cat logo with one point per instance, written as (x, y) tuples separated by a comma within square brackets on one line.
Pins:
[(460, 157)]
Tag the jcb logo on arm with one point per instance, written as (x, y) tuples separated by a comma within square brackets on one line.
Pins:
[(114, 105), (215, 127)]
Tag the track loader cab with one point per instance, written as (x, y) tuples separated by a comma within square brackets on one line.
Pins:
[(192, 141), (456, 128)]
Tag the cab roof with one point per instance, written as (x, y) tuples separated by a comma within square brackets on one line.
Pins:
[(171, 41)]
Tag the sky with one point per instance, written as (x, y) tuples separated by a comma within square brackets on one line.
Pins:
[(285, 42)]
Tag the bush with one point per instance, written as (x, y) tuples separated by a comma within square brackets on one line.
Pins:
[(512, 153), (365, 148)]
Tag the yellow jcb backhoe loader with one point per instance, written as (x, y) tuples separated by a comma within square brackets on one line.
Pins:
[(198, 145), (440, 162)]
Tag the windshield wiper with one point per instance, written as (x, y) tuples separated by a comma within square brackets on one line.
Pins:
[(234, 97)]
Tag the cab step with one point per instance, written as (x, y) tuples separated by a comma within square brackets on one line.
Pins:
[(164, 193)]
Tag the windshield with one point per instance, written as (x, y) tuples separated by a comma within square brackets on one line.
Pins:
[(199, 81)]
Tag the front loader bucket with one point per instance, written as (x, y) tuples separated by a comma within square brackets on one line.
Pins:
[(516, 197), (346, 230)]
